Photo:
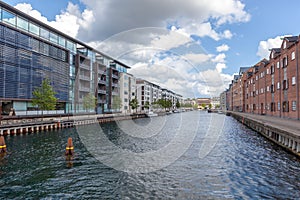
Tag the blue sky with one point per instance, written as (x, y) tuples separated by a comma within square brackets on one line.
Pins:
[(243, 30)]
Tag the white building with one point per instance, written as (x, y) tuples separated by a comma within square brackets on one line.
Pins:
[(127, 91)]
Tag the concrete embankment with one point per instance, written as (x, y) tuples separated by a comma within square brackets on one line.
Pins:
[(284, 132), (31, 125)]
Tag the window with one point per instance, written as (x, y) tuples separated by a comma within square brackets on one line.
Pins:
[(272, 69), (268, 88), (71, 46), (285, 106), (284, 44), (293, 80), (294, 106), (53, 38), (293, 55), (62, 41), (278, 64), (256, 77), (34, 29), (278, 106), (22, 23), (268, 71), (8, 17), (272, 107), (44, 33), (261, 90), (285, 84), (278, 85), (272, 89), (285, 62)]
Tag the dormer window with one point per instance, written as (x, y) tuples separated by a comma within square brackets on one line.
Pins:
[(272, 54), (284, 44)]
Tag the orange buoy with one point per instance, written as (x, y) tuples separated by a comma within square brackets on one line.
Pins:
[(2, 145), (70, 147)]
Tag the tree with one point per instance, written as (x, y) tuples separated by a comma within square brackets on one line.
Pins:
[(203, 105), (177, 104), (147, 105), (44, 96), (116, 103), (89, 102), (134, 104), (210, 106)]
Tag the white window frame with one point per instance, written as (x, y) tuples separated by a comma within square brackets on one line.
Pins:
[(293, 80), (293, 55)]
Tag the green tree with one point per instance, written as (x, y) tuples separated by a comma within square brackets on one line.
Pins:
[(89, 102), (147, 105), (203, 105), (178, 104), (116, 103), (134, 104), (44, 96), (210, 106)]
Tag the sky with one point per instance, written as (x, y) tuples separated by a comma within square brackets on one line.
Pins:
[(193, 47)]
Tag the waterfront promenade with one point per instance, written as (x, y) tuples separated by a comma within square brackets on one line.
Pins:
[(283, 131)]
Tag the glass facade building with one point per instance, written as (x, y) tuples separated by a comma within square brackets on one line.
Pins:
[(31, 51)]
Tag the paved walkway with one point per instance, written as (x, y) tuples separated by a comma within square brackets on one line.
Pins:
[(289, 125)]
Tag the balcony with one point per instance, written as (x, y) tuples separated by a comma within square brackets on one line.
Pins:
[(103, 82), (114, 84), (115, 76), (101, 71), (84, 89), (85, 78), (84, 66), (101, 100), (115, 93), (101, 91)]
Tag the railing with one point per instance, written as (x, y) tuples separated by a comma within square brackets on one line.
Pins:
[(84, 89), (101, 101), (115, 76), (85, 78), (101, 91), (102, 82), (115, 84)]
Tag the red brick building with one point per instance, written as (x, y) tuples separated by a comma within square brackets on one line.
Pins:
[(270, 87)]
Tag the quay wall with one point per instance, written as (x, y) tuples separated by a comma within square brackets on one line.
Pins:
[(21, 126), (284, 138)]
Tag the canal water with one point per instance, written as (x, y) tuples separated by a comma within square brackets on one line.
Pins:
[(191, 155)]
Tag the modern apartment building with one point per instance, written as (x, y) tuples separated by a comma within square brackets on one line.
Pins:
[(272, 86), (31, 51)]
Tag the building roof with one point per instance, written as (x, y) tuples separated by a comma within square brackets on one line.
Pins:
[(243, 70), (291, 39)]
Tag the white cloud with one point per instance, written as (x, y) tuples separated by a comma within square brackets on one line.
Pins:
[(117, 29), (68, 21), (223, 47), (220, 58), (264, 46), (197, 58), (220, 67)]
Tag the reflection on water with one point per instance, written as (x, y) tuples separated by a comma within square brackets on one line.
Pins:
[(241, 165)]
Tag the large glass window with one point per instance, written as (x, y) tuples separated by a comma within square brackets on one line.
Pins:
[(8, 17), (53, 38), (44, 33), (62, 41), (22, 23), (34, 29), (71, 46)]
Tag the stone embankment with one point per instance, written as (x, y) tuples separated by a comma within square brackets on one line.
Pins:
[(284, 132)]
